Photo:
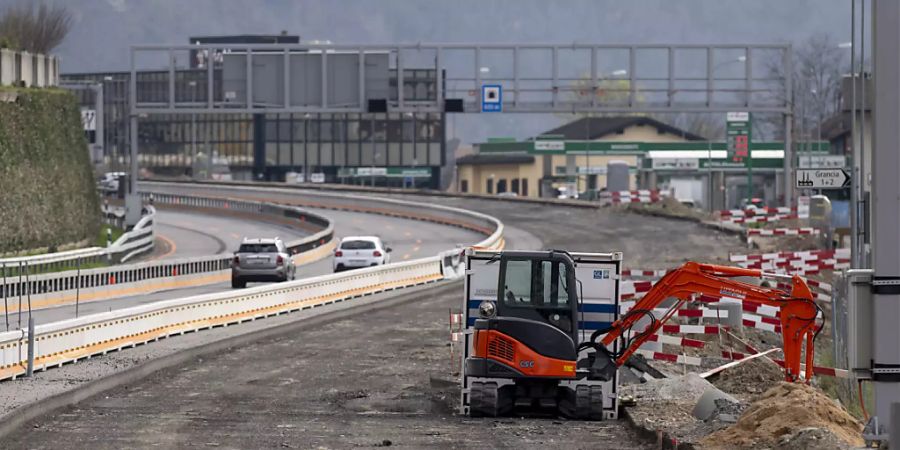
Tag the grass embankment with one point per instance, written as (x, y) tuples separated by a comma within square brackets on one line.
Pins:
[(48, 194)]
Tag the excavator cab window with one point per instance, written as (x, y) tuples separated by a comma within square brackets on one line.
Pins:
[(539, 289)]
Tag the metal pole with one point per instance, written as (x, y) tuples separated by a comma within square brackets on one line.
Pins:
[(77, 286), (885, 209), (788, 123), (193, 127), (5, 304), (709, 180), (28, 283), (30, 369), (750, 157), (864, 221), (19, 291), (854, 148)]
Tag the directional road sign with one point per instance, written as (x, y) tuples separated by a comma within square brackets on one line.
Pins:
[(822, 179), (491, 98)]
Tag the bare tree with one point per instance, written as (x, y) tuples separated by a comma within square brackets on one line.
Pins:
[(816, 82), (36, 28)]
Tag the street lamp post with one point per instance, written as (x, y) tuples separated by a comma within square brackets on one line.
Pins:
[(193, 85)]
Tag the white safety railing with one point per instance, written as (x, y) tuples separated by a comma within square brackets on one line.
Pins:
[(139, 239), (71, 340), (84, 285)]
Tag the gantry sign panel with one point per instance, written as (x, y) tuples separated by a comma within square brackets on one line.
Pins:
[(298, 78)]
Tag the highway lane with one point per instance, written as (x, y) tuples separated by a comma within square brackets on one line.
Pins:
[(187, 234), (409, 239)]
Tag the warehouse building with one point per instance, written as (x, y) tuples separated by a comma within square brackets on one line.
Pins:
[(387, 149)]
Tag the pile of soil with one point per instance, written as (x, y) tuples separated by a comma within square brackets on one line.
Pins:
[(750, 379), (784, 411), (665, 405)]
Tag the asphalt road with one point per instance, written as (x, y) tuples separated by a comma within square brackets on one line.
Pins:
[(188, 234), (373, 379), (409, 239)]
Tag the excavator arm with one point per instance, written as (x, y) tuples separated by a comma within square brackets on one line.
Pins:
[(798, 309)]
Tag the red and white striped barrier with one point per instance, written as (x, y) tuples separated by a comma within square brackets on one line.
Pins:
[(782, 231), (751, 212), (818, 370), (759, 219), (691, 329), (698, 361), (656, 273), (677, 359), (638, 196), (804, 255), (630, 288), (677, 340)]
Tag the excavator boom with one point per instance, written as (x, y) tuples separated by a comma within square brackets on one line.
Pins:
[(798, 310)]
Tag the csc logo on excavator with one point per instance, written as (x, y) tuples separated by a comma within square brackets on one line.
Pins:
[(526, 364)]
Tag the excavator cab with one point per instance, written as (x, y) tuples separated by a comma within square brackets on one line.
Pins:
[(526, 339)]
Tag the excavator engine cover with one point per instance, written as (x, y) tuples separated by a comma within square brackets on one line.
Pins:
[(516, 348)]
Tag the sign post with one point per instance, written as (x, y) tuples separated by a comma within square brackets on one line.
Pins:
[(491, 98), (822, 179), (738, 126)]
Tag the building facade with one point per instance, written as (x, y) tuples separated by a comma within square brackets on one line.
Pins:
[(388, 149), (657, 155)]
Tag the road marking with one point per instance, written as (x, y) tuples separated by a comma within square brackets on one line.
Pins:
[(416, 249), (407, 234), (418, 241), (170, 243)]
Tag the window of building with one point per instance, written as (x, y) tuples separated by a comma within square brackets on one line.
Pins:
[(464, 186), (524, 191), (325, 130), (501, 186), (514, 185), (490, 186)]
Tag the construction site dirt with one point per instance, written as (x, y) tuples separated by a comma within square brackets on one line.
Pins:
[(380, 378)]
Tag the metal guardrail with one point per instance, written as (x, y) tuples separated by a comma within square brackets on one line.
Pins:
[(127, 246), (26, 291), (75, 339)]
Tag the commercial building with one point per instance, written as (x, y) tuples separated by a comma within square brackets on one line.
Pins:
[(576, 157), (388, 149)]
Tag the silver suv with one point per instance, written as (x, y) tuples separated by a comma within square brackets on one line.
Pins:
[(261, 260)]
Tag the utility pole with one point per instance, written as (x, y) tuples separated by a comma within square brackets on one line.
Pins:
[(886, 209)]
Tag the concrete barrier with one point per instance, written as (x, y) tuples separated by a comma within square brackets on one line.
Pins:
[(71, 340)]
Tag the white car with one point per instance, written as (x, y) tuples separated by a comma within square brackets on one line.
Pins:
[(360, 251)]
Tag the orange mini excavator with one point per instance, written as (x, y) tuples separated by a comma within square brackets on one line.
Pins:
[(525, 345)]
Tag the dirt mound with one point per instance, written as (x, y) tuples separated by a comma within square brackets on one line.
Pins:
[(784, 411), (807, 438), (686, 388), (749, 379)]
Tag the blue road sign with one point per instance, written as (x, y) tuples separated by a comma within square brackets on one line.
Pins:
[(491, 98)]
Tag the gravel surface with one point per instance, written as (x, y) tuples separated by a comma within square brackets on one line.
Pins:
[(373, 379)]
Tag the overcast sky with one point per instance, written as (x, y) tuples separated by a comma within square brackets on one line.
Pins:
[(104, 29)]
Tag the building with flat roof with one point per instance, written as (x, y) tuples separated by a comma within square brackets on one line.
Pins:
[(387, 149), (575, 158)]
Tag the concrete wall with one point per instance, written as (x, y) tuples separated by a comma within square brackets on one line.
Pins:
[(477, 177), (34, 69), (40, 74), (26, 73)]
